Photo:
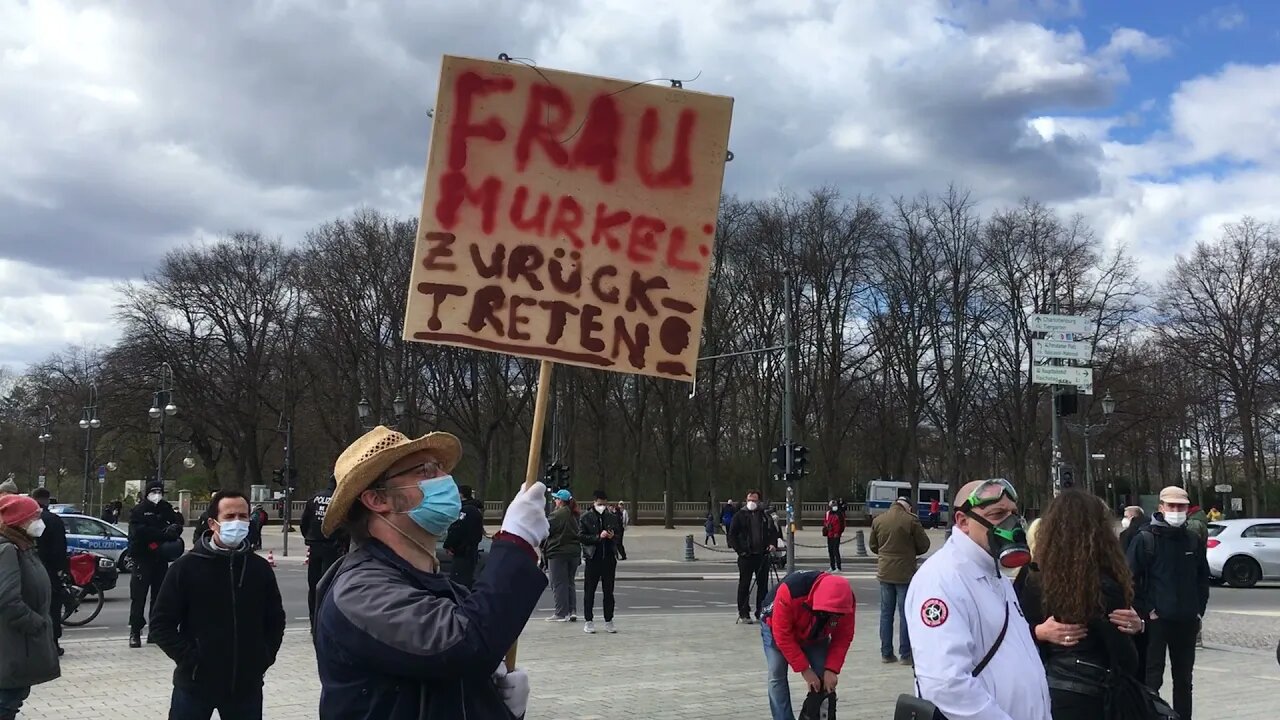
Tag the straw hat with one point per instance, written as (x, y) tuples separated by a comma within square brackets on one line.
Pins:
[(366, 459)]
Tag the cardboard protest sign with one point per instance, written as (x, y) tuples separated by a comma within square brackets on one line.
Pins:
[(568, 218)]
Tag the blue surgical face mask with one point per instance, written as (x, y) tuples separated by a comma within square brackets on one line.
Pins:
[(440, 507), (233, 532)]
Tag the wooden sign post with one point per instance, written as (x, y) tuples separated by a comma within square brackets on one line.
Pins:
[(568, 218)]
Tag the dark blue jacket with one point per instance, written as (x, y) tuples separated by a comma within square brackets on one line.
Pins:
[(396, 643)]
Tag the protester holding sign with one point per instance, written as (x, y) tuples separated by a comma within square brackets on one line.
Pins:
[(395, 639)]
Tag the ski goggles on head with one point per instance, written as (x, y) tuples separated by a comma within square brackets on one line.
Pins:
[(975, 499)]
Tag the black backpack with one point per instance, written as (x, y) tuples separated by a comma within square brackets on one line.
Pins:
[(819, 706)]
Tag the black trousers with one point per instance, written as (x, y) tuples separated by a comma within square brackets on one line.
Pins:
[(599, 572), (146, 580), (1179, 638), (833, 553), (463, 570), (752, 567), (323, 556)]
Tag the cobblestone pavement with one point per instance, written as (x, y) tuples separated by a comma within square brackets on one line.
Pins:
[(1255, 630), (659, 667)]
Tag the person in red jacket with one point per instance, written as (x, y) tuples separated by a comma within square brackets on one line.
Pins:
[(832, 529), (807, 624)]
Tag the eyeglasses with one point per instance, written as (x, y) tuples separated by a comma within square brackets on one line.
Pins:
[(426, 471), (975, 499)]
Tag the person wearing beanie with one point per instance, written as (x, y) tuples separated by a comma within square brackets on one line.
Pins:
[(8, 487), (152, 523), (28, 650)]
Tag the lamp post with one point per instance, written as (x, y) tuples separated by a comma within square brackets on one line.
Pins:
[(159, 412), (365, 410), (1088, 430), (89, 422), (44, 438)]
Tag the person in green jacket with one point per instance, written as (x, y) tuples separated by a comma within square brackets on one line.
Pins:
[(563, 551)]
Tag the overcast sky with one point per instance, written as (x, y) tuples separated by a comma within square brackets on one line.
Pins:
[(129, 128)]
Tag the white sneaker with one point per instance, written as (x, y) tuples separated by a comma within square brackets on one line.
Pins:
[(609, 627), (589, 628), (557, 618)]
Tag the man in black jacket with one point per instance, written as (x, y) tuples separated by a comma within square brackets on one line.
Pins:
[(52, 548), (1171, 590), (753, 535), (463, 539), (1134, 520), (151, 522), (324, 551), (599, 531), (220, 618)]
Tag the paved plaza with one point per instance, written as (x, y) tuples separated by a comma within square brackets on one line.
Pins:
[(659, 667)]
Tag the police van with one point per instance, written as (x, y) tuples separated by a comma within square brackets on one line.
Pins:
[(882, 493)]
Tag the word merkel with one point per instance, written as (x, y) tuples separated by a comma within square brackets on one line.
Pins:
[(568, 217), (597, 149)]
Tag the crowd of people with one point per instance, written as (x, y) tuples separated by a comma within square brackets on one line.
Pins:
[(1082, 631)]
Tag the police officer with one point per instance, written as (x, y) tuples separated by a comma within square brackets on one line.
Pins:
[(153, 523), (973, 655), (324, 551), (463, 539)]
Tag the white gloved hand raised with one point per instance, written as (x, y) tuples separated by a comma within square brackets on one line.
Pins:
[(513, 687), (526, 516)]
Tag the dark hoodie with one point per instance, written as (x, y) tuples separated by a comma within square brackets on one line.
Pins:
[(464, 536), (220, 618), (1170, 571)]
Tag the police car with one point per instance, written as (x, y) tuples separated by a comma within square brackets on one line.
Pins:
[(91, 535)]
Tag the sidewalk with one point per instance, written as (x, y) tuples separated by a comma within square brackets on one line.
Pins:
[(659, 667)]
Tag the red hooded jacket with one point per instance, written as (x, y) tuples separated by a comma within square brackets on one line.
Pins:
[(790, 614), (833, 526)]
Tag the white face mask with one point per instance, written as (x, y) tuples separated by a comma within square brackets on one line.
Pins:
[(752, 505), (1176, 519), (155, 497), (1126, 522), (36, 528), (233, 532), (601, 508)]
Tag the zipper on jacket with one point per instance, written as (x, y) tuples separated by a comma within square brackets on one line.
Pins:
[(235, 621)]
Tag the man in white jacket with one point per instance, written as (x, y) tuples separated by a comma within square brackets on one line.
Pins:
[(974, 658)]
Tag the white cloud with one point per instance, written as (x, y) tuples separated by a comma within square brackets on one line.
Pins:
[(141, 126)]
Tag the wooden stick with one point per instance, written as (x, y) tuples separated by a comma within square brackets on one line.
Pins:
[(535, 450)]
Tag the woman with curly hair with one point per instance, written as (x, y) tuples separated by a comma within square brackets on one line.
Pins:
[(1078, 604)]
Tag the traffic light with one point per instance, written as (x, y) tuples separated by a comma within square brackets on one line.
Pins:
[(277, 477), (1066, 403), (548, 475), (779, 457), (799, 459), (293, 477), (562, 475)]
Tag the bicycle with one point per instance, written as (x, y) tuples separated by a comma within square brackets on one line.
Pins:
[(82, 600)]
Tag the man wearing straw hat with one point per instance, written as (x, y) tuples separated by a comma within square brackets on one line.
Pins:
[(396, 639)]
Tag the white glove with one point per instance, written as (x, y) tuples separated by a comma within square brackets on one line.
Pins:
[(526, 516), (513, 687)]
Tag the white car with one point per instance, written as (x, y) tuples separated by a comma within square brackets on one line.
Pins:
[(1244, 552)]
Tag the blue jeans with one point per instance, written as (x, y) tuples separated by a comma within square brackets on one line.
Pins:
[(185, 705), (891, 595), (779, 690), (11, 700)]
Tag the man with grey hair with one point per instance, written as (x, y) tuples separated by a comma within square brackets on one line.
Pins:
[(960, 610)]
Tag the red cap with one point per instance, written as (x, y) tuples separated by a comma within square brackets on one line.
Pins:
[(18, 510)]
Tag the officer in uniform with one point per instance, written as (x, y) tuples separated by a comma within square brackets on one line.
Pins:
[(974, 658), (324, 551), (152, 522)]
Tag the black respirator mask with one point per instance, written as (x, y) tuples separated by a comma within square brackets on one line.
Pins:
[(1006, 542)]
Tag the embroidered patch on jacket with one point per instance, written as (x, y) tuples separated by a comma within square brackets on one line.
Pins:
[(933, 612)]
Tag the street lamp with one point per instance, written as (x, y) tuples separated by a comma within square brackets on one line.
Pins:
[(398, 405), (1088, 430), (160, 412), (89, 422), (44, 437), (365, 410)]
